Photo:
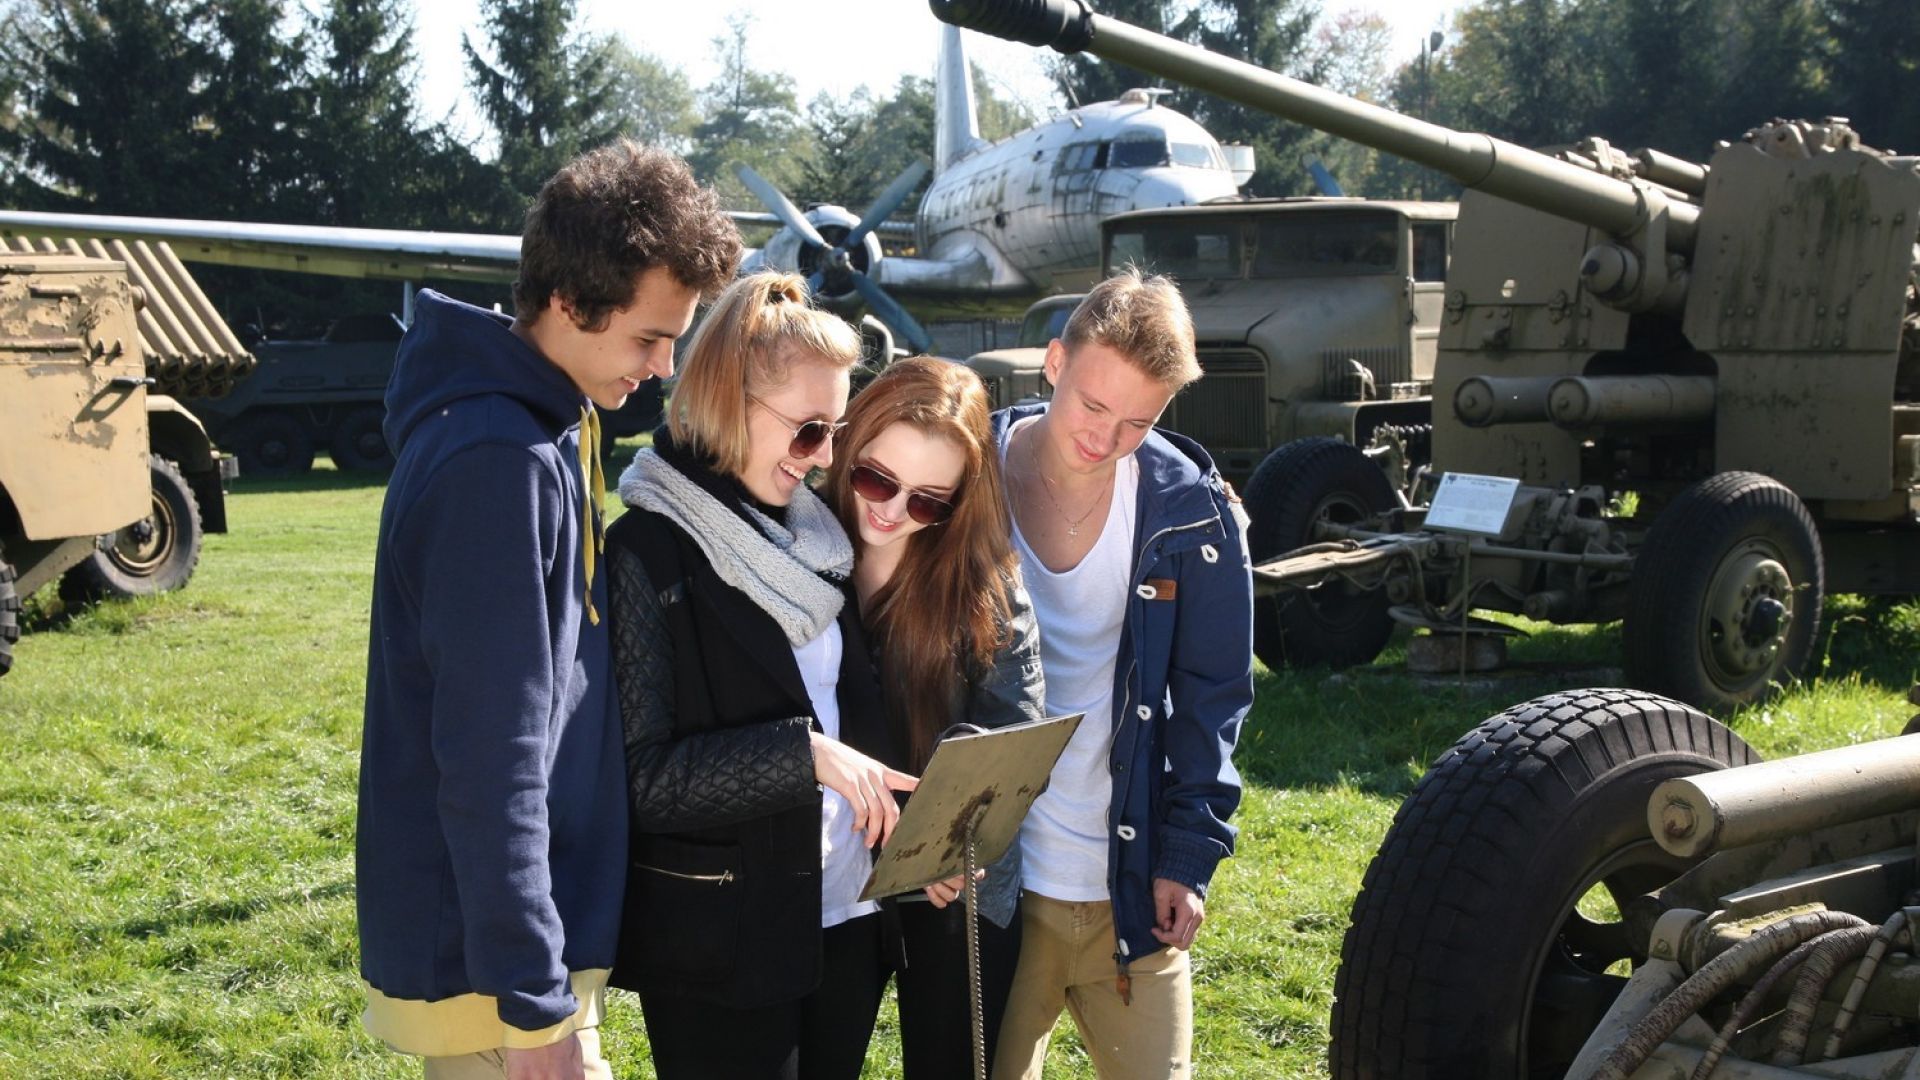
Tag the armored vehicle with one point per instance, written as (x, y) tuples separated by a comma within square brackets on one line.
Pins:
[(1682, 395), (1018, 373), (106, 482), (329, 393)]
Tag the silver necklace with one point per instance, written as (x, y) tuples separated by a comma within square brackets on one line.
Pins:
[(1046, 485)]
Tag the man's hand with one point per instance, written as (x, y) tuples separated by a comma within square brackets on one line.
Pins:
[(554, 1061), (867, 785), (1177, 913)]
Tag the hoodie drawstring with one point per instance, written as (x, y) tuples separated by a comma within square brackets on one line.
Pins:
[(593, 476)]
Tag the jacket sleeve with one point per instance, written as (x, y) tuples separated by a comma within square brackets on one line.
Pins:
[(475, 550), (701, 780), (1210, 683), (1012, 690)]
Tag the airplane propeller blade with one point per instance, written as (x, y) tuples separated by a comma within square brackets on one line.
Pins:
[(889, 201), (890, 312), (781, 206)]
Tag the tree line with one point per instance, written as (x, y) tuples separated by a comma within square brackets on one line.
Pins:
[(273, 110)]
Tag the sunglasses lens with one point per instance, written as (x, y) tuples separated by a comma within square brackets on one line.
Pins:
[(808, 438), (928, 510), (870, 485)]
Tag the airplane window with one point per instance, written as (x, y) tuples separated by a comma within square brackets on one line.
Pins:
[(1188, 251), (1074, 157), (1137, 154), (1100, 157), (1320, 245), (1197, 156), (1430, 251)]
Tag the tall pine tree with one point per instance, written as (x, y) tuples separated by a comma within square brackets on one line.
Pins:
[(544, 101)]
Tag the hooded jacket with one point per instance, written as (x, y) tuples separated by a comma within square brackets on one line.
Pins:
[(490, 857), (1183, 682)]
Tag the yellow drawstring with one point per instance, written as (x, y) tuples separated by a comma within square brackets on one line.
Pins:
[(593, 477)]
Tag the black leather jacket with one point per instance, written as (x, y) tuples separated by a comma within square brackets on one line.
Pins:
[(723, 891)]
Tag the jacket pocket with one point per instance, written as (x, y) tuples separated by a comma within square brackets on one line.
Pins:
[(683, 909)]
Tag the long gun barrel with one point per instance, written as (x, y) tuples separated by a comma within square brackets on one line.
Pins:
[(1478, 161)]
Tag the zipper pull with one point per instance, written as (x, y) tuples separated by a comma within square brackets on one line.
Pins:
[(1123, 982)]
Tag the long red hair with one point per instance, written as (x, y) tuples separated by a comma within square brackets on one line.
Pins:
[(947, 602)]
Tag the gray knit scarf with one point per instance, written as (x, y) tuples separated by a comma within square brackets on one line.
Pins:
[(777, 567)]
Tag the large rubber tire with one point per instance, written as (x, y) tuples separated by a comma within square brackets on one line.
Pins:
[(358, 443), (1701, 622), (152, 555), (9, 614), (271, 444), (1467, 956), (1303, 482)]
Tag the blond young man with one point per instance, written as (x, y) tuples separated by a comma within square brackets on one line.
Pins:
[(1133, 549)]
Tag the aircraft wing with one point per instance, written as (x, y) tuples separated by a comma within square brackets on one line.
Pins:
[(405, 254), (961, 263)]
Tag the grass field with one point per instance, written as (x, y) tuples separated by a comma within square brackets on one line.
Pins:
[(177, 813)]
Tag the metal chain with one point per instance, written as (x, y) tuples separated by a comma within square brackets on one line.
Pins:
[(973, 963)]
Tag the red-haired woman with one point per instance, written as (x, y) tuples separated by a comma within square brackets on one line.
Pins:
[(916, 482)]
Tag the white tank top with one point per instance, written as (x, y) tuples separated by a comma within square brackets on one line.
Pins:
[(1063, 843), (844, 863)]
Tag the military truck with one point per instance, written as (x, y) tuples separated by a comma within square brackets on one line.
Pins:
[(1314, 316), (106, 482), (1682, 395)]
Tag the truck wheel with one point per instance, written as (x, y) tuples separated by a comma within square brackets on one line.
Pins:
[(359, 445), (1724, 602), (9, 615), (272, 444), (1303, 482), (1481, 943), (152, 555)]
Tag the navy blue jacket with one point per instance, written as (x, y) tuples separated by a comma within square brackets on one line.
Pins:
[(1183, 682), (491, 851)]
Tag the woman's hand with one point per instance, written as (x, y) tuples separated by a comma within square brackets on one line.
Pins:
[(867, 785), (942, 893)]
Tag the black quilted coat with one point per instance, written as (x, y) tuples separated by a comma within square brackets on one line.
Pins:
[(723, 887)]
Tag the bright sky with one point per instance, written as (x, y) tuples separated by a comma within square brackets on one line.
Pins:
[(819, 45)]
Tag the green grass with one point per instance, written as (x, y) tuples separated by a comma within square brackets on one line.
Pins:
[(176, 814)]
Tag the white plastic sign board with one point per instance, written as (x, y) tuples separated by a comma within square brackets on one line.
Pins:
[(1467, 502)]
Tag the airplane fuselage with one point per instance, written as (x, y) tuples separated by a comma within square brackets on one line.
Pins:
[(1032, 203)]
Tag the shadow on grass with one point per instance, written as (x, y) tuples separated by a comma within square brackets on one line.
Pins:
[(317, 480), (225, 911)]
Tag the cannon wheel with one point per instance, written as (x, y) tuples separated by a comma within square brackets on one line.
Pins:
[(9, 614), (1470, 952), (1725, 598), (152, 555), (1303, 482), (359, 444), (273, 443)]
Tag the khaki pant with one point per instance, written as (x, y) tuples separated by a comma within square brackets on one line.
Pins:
[(492, 1064), (1066, 959)]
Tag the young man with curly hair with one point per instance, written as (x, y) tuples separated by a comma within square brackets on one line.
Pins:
[(491, 851)]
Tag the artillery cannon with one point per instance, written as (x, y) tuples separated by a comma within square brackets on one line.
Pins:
[(1703, 379)]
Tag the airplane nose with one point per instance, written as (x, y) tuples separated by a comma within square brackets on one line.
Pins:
[(1179, 187)]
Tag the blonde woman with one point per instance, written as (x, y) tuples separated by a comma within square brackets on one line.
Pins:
[(755, 735)]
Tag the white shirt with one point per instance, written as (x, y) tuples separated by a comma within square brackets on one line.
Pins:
[(844, 864), (1063, 843)]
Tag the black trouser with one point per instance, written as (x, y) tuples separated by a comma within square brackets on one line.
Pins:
[(822, 1036), (936, 1011)]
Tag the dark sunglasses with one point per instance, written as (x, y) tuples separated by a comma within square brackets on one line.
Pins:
[(807, 437), (875, 486)]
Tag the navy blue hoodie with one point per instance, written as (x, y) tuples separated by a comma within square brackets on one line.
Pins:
[(492, 835)]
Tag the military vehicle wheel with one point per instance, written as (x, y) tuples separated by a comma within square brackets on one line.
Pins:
[(1486, 939), (272, 444), (359, 444), (9, 615), (1299, 484), (152, 555), (1724, 603)]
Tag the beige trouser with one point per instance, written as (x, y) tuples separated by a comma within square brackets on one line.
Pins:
[(1066, 959), (492, 1064)]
